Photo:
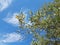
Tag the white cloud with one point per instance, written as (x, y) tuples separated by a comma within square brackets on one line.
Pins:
[(28, 23), (4, 4), (11, 19), (11, 37)]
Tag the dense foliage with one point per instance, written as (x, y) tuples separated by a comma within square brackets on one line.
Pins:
[(47, 19)]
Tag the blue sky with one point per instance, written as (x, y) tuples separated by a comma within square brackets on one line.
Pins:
[(9, 24)]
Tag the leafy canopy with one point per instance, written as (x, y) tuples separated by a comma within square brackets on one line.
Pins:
[(47, 19)]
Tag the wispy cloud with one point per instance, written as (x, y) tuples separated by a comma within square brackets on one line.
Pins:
[(11, 37), (4, 4), (11, 19)]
